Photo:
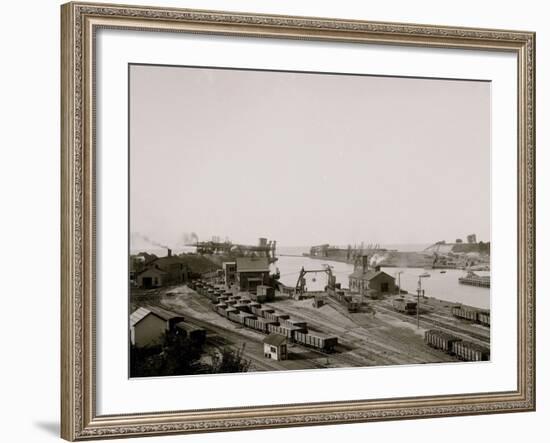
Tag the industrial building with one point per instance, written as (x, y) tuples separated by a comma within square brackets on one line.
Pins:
[(251, 273), (149, 324), (151, 278), (275, 347), (163, 271), (365, 279)]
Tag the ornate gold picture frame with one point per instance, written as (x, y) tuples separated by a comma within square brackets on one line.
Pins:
[(80, 22)]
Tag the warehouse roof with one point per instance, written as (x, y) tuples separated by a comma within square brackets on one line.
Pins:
[(137, 315), (152, 269), (275, 339), (163, 313), (142, 312), (369, 275), (252, 264)]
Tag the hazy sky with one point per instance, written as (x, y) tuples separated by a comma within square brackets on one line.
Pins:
[(307, 158)]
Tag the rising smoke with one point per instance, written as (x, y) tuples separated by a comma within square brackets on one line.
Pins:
[(150, 241), (189, 238), (376, 259)]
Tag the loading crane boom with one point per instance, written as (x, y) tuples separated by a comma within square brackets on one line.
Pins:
[(301, 282)]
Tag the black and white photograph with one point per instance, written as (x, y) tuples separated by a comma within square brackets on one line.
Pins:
[(287, 220)]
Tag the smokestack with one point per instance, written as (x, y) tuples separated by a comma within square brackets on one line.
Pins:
[(169, 252), (365, 263), (377, 268)]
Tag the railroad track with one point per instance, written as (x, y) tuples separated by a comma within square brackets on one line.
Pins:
[(219, 341), (443, 325), (385, 355)]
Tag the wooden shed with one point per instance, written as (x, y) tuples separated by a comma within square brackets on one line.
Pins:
[(275, 347), (149, 324)]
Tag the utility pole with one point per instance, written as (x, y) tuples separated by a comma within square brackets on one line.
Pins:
[(419, 291)]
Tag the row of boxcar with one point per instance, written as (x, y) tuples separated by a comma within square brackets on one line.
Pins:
[(453, 345), (440, 340), (474, 315), (276, 323), (253, 315)]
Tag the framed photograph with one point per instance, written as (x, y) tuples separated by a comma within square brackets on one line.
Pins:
[(277, 221)]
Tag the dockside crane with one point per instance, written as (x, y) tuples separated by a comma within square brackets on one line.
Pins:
[(300, 288)]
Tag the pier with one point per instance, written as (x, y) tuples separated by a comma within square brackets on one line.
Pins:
[(473, 279)]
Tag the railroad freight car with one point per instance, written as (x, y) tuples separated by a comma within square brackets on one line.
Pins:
[(316, 340), (440, 340), (259, 324), (405, 306), (256, 310), (290, 323), (484, 318), (465, 313), (254, 304), (230, 310), (194, 333), (282, 330), (234, 316), (222, 310), (468, 351), (276, 316), (242, 307), (265, 311), (345, 299), (211, 294), (243, 316)]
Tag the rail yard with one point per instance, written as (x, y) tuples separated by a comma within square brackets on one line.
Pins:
[(241, 303), (328, 336)]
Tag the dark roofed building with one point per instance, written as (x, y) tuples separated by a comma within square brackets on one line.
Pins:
[(151, 278), (252, 272), (148, 324), (174, 266), (364, 279), (169, 270), (275, 347), (171, 317)]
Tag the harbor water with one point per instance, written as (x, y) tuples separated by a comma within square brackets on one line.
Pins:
[(442, 285)]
